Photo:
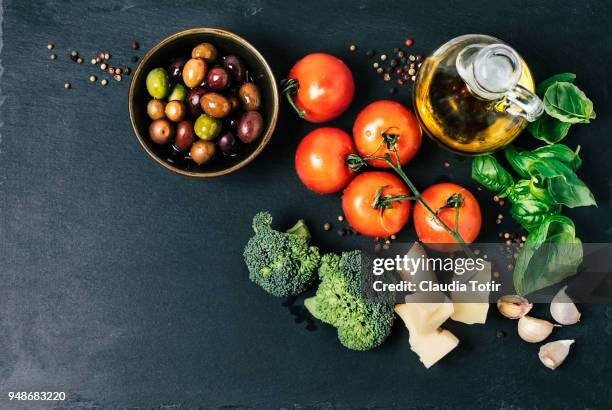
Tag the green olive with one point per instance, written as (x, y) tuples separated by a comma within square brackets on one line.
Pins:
[(179, 93), (207, 127), (158, 83)]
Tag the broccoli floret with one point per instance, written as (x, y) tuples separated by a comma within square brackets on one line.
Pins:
[(361, 324), (282, 263)]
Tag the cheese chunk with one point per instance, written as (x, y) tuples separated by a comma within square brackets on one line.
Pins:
[(470, 313), (423, 318), (433, 346)]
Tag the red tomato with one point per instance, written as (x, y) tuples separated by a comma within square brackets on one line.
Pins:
[(322, 87), (358, 199), (436, 196), (320, 160), (388, 117)]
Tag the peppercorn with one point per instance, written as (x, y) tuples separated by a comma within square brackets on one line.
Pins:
[(52, 56), (101, 55), (419, 57), (400, 82), (127, 70), (340, 218), (107, 56), (383, 57), (67, 85), (104, 82), (411, 57), (50, 46), (369, 53), (341, 232), (352, 47), (111, 70), (411, 71), (379, 70), (92, 78), (117, 71), (393, 237), (387, 77), (393, 63), (73, 54), (408, 42), (103, 66), (327, 226), (117, 77), (93, 61), (400, 53), (79, 60), (134, 45), (375, 65)]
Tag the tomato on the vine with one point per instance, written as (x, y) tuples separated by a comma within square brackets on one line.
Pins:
[(319, 87), (382, 124), (320, 160), (376, 204), (445, 199)]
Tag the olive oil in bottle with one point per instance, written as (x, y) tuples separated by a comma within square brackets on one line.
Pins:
[(474, 95)]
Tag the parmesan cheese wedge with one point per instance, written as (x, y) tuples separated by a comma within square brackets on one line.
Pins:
[(424, 318), (470, 313), (433, 346)]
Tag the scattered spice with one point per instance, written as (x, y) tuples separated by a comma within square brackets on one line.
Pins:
[(383, 57), (94, 61), (408, 42), (353, 47), (117, 71), (92, 78), (379, 70), (103, 66), (117, 77), (50, 46), (104, 82), (387, 77), (392, 90), (107, 56), (67, 85), (134, 45), (327, 226), (53, 56), (79, 60), (341, 232), (369, 53), (340, 218), (446, 164), (393, 237)]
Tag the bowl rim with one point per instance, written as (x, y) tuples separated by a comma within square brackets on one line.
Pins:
[(265, 137)]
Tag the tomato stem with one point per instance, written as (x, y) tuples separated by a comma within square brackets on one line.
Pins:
[(289, 88)]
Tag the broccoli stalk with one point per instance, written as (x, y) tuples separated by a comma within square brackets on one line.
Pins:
[(282, 263), (361, 324)]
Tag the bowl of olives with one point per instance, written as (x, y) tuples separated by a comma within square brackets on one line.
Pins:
[(203, 102)]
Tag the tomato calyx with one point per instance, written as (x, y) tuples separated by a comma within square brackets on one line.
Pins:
[(455, 201), (385, 202), (289, 88)]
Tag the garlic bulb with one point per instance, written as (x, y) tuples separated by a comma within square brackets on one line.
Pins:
[(554, 353), (563, 309), (513, 306), (534, 330)]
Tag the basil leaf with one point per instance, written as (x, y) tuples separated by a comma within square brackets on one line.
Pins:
[(548, 129), (551, 253), (526, 209), (568, 103), (519, 161), (561, 77), (561, 183), (561, 153), (490, 174)]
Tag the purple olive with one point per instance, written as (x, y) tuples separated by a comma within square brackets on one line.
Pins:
[(228, 144), (176, 68), (217, 78), (184, 135), (193, 101), (250, 126), (235, 66)]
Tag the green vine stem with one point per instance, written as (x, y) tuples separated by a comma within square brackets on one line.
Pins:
[(355, 162), (289, 88)]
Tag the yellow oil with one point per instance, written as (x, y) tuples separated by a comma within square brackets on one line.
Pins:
[(453, 117)]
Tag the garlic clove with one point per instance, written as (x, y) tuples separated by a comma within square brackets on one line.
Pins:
[(513, 306), (563, 310), (554, 353), (534, 330)]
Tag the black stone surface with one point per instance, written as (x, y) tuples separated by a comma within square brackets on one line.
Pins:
[(123, 285)]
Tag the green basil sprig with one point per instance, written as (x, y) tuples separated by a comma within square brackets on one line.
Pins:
[(527, 209), (564, 105), (551, 253), (560, 183), (490, 174)]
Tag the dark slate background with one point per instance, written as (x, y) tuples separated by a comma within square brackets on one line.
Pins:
[(123, 284)]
